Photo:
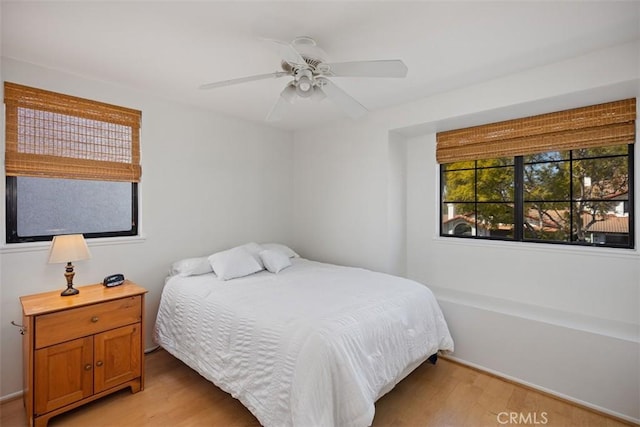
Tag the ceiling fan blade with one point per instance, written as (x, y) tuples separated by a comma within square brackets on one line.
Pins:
[(288, 53), (243, 80), (280, 107), (347, 103), (381, 68)]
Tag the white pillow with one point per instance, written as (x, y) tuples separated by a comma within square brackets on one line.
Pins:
[(190, 267), (232, 263), (282, 248), (275, 260), (254, 249)]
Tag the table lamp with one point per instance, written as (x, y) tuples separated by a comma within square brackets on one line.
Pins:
[(68, 248)]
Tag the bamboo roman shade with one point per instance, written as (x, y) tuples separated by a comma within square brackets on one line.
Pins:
[(59, 136), (612, 123)]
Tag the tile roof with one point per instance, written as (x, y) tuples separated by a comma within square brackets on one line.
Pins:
[(606, 224)]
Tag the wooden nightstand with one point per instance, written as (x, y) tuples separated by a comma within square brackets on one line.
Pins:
[(79, 348)]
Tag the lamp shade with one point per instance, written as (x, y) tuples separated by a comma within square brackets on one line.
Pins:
[(67, 248)]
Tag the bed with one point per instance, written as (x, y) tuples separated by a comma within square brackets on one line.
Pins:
[(314, 344)]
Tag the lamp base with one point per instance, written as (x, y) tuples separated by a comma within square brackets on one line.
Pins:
[(68, 274), (69, 291)]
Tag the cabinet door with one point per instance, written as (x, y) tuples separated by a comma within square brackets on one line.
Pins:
[(117, 356), (63, 374)]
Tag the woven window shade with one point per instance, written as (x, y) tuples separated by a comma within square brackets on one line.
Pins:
[(600, 125), (59, 136)]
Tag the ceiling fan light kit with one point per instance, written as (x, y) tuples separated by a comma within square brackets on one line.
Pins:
[(304, 82), (305, 62)]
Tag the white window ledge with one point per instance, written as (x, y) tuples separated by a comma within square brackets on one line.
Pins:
[(541, 247), (44, 246)]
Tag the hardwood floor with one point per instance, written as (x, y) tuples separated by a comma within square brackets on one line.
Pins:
[(447, 394)]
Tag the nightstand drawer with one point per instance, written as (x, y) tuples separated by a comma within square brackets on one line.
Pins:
[(82, 321)]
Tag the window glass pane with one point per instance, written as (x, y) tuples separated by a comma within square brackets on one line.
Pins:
[(614, 150), (547, 221), (470, 164), (459, 186), (546, 181), (458, 219), (48, 206), (548, 156), (605, 178), (503, 161), (495, 220), (495, 184)]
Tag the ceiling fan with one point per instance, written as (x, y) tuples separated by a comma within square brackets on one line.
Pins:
[(306, 64)]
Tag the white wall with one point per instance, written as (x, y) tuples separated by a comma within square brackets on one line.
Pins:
[(208, 182), (561, 319), (340, 194)]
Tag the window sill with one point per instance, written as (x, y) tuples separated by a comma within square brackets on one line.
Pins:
[(542, 247), (553, 316), (44, 246)]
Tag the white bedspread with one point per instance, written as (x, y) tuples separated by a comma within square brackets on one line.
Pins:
[(314, 345)]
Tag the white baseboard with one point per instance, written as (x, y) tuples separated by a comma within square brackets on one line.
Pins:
[(11, 396)]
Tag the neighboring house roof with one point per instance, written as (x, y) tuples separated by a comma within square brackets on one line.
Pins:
[(468, 218), (610, 224), (550, 221)]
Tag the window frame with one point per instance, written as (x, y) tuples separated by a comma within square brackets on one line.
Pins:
[(519, 203)]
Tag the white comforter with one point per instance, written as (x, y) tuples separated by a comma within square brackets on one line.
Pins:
[(314, 345)]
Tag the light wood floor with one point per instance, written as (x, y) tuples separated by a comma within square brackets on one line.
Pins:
[(447, 394)]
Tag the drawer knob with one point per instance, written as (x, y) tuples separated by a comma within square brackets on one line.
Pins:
[(94, 319), (87, 367), (99, 363)]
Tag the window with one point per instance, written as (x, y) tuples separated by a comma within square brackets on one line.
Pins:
[(577, 197), (582, 195), (72, 166)]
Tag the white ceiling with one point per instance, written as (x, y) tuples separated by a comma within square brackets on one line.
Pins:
[(170, 48)]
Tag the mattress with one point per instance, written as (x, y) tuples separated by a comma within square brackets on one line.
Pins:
[(314, 345)]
